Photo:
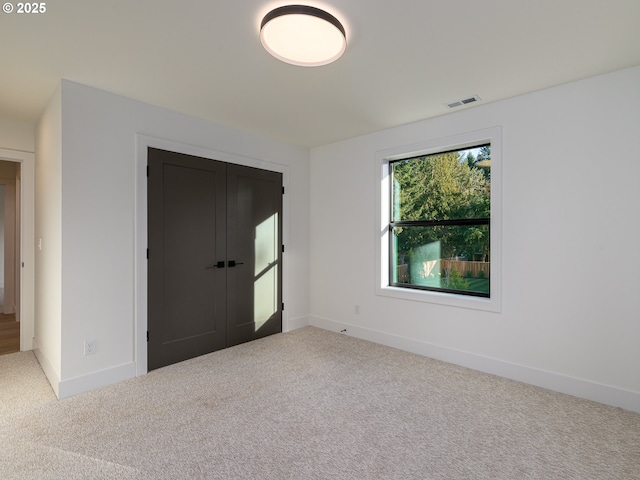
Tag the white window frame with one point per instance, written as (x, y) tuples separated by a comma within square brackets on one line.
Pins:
[(491, 135)]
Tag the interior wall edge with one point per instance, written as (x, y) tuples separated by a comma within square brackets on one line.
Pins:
[(52, 376)]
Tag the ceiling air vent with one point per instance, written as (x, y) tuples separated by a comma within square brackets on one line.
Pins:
[(464, 101)]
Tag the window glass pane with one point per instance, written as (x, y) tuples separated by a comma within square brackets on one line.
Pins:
[(443, 186), (442, 258)]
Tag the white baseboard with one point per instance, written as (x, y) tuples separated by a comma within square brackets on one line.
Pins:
[(295, 323), (26, 342), (84, 383), (47, 368), (577, 387), (103, 378)]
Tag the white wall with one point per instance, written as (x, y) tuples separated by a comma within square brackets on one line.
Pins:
[(98, 192), (48, 223), (16, 135), (570, 317)]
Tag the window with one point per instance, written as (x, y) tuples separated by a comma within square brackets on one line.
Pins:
[(440, 221)]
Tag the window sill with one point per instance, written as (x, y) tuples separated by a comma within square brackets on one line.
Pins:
[(448, 299)]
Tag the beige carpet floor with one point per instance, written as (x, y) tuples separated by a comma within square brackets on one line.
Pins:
[(309, 404)]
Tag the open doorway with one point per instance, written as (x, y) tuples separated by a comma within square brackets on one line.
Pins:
[(9, 257), (18, 268)]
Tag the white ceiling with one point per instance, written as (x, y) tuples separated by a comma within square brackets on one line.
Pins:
[(405, 59)]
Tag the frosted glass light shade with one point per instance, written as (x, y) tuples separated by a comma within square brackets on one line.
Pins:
[(303, 35)]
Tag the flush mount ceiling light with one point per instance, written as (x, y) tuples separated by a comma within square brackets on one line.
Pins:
[(303, 35)]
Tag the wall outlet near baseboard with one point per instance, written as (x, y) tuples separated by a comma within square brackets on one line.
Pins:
[(90, 347)]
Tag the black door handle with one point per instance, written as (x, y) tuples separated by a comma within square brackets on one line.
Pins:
[(233, 263), (220, 264)]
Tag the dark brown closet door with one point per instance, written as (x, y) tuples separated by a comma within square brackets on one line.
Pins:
[(214, 267)]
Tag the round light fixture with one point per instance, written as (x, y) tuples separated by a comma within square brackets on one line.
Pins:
[(303, 35)]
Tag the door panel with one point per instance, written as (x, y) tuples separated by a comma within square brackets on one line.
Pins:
[(215, 236), (254, 238), (187, 221)]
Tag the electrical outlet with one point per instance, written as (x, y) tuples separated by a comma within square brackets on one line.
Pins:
[(90, 347)]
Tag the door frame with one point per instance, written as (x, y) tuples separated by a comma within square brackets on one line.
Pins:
[(27, 243), (143, 142)]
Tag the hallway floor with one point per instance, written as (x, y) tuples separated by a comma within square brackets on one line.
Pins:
[(9, 334)]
